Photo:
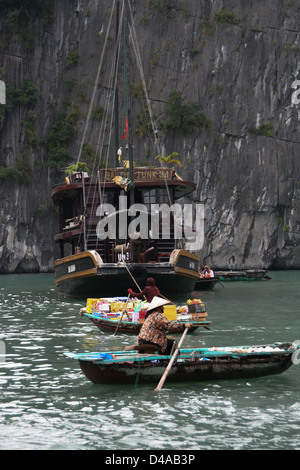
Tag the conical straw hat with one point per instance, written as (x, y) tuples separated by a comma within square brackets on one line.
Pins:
[(157, 302)]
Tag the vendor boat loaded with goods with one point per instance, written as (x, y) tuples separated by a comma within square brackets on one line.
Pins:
[(126, 315)]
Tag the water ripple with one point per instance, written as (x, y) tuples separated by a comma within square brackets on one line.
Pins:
[(46, 402)]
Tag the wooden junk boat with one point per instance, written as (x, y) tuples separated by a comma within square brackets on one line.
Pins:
[(130, 367), (115, 315)]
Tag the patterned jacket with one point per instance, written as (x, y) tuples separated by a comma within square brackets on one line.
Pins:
[(155, 327)]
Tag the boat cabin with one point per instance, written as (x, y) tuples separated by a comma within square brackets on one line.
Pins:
[(94, 213)]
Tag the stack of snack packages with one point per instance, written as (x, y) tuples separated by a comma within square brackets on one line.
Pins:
[(113, 307)]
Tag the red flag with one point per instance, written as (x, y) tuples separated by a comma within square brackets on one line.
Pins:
[(124, 136)]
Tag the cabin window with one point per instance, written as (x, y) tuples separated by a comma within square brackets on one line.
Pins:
[(149, 197), (156, 196)]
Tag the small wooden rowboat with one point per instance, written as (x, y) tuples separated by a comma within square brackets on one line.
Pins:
[(131, 367), (205, 283), (124, 326)]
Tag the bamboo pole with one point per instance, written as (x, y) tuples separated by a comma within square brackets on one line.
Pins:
[(164, 376)]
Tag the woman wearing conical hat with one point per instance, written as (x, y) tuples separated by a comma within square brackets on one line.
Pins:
[(156, 325)]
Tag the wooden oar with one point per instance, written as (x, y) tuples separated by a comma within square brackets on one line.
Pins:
[(164, 376), (128, 270), (124, 311)]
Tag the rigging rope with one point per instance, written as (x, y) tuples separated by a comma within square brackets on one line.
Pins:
[(141, 72), (96, 83), (111, 98), (105, 119)]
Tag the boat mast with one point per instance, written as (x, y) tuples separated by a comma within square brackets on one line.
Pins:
[(84, 212), (116, 87), (127, 78)]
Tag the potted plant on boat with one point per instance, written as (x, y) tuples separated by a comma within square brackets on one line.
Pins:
[(76, 170)]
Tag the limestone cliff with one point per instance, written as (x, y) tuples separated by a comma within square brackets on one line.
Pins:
[(239, 62)]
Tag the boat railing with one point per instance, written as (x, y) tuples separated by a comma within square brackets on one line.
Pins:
[(185, 354)]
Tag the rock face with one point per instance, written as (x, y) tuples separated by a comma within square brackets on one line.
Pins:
[(239, 64)]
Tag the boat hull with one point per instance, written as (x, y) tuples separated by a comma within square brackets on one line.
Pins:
[(194, 371), (83, 275), (132, 327), (202, 364), (206, 283)]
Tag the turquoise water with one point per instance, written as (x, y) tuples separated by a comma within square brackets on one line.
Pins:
[(46, 402)]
